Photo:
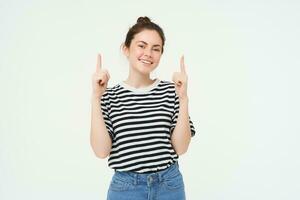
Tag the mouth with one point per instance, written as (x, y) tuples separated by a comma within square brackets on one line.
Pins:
[(147, 62)]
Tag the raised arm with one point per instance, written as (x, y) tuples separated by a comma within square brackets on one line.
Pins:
[(181, 135), (100, 140)]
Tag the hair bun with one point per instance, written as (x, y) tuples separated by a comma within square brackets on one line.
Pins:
[(143, 20)]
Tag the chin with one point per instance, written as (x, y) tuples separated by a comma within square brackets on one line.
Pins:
[(145, 70)]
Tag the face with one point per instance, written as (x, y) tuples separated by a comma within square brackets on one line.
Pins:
[(144, 52)]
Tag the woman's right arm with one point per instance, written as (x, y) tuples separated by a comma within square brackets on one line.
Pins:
[(100, 139)]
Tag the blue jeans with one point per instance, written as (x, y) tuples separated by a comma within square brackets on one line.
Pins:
[(166, 184)]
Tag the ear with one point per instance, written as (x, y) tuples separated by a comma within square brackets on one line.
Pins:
[(125, 50)]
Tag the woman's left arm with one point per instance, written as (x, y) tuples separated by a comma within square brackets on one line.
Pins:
[(181, 135)]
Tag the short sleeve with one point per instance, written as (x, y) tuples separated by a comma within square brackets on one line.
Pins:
[(175, 116), (105, 112)]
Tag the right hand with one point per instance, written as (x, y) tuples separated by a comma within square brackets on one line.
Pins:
[(99, 79)]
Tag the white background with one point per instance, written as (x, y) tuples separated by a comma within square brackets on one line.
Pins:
[(242, 59)]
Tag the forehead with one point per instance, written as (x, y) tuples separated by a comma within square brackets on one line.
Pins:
[(149, 36)]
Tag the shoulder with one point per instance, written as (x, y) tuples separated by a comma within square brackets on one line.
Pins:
[(169, 88), (167, 84), (111, 91)]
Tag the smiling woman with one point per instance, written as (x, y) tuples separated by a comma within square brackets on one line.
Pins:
[(143, 125), (144, 53)]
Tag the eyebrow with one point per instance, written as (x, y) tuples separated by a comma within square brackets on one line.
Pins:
[(156, 45)]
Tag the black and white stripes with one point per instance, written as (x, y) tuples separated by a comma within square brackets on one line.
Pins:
[(140, 123)]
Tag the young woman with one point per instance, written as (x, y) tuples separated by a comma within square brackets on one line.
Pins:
[(143, 125)]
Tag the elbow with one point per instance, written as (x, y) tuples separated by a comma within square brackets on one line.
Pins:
[(100, 150), (101, 155), (181, 152), (182, 149)]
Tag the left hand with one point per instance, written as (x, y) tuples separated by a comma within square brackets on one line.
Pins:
[(180, 80)]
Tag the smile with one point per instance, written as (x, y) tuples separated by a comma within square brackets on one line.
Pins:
[(145, 61)]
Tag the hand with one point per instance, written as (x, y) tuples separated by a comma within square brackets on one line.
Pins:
[(100, 78), (180, 80)]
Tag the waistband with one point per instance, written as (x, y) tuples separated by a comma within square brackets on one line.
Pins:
[(159, 176)]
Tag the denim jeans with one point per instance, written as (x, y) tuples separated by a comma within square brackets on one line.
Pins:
[(166, 184)]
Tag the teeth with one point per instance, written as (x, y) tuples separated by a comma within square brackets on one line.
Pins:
[(145, 61)]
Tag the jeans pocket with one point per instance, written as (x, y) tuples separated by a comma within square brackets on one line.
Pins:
[(174, 183), (119, 185)]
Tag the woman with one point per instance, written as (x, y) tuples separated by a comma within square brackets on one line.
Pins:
[(142, 124)]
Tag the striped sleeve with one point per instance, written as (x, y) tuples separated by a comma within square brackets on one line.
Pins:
[(105, 112), (175, 117)]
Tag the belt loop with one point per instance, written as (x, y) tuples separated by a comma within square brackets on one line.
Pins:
[(135, 181), (160, 179)]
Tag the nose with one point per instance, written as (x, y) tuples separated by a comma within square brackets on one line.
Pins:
[(148, 52)]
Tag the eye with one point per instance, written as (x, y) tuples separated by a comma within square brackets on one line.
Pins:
[(158, 50), (142, 46)]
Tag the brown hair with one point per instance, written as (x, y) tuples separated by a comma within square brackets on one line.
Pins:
[(143, 23)]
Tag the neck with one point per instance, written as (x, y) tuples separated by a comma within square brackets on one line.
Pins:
[(138, 80)]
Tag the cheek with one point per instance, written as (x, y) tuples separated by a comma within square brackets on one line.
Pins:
[(157, 57), (139, 53)]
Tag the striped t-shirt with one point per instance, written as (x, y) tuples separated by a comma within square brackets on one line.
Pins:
[(140, 123)]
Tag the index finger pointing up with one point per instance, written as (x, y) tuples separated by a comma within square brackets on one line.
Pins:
[(182, 65), (99, 63)]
